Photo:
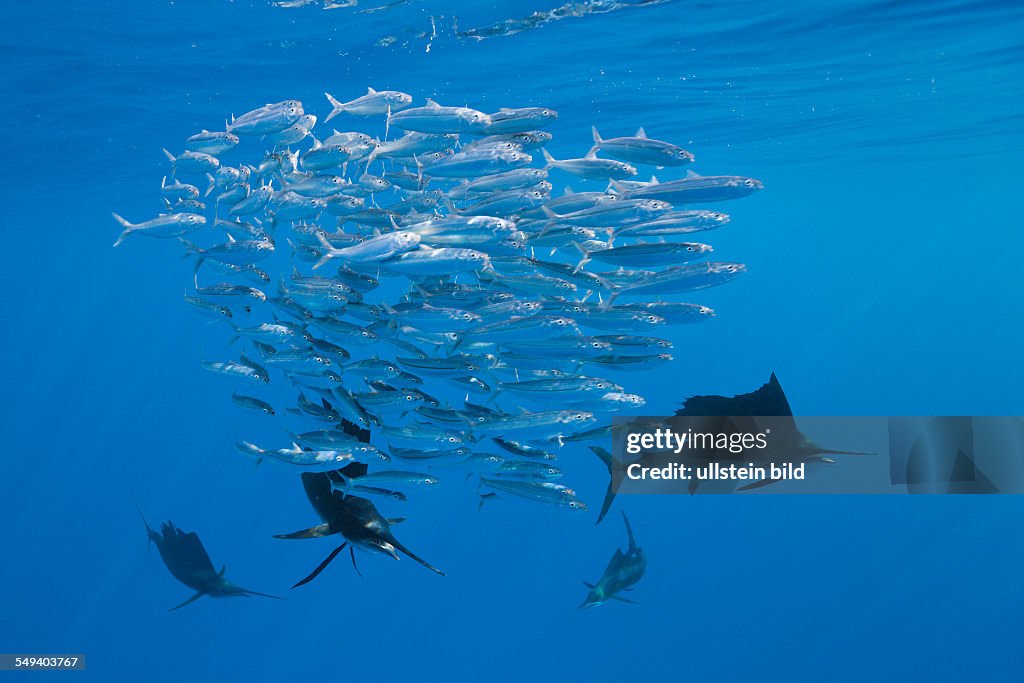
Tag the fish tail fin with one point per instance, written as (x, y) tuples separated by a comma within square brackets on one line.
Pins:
[(128, 228), (618, 187), (549, 160), (609, 495), (583, 261), (329, 251), (213, 184), (597, 142), (169, 156), (336, 107), (371, 157), (612, 296), (190, 250)]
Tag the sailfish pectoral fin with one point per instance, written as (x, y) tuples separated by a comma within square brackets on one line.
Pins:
[(622, 599), (352, 552), (318, 531), (758, 484), (322, 566), (609, 494), (189, 601)]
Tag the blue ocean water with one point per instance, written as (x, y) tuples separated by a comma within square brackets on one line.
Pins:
[(883, 261)]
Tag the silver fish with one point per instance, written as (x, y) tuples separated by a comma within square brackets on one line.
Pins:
[(642, 150), (245, 369), (168, 225), (374, 102), (591, 167)]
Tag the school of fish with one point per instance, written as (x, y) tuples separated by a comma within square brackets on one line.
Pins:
[(429, 304)]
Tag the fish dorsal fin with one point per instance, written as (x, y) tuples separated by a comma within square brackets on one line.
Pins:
[(693, 174), (370, 91), (641, 133), (589, 585), (245, 360), (230, 238), (592, 154), (296, 446), (654, 180), (569, 190), (316, 143), (505, 109), (223, 569), (431, 103)]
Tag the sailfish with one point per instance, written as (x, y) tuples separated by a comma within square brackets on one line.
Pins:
[(189, 563), (355, 518), (624, 570), (769, 400)]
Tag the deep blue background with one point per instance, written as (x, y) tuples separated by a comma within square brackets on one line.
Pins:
[(884, 258)]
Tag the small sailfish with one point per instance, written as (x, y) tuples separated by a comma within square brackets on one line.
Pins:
[(624, 570), (188, 562)]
